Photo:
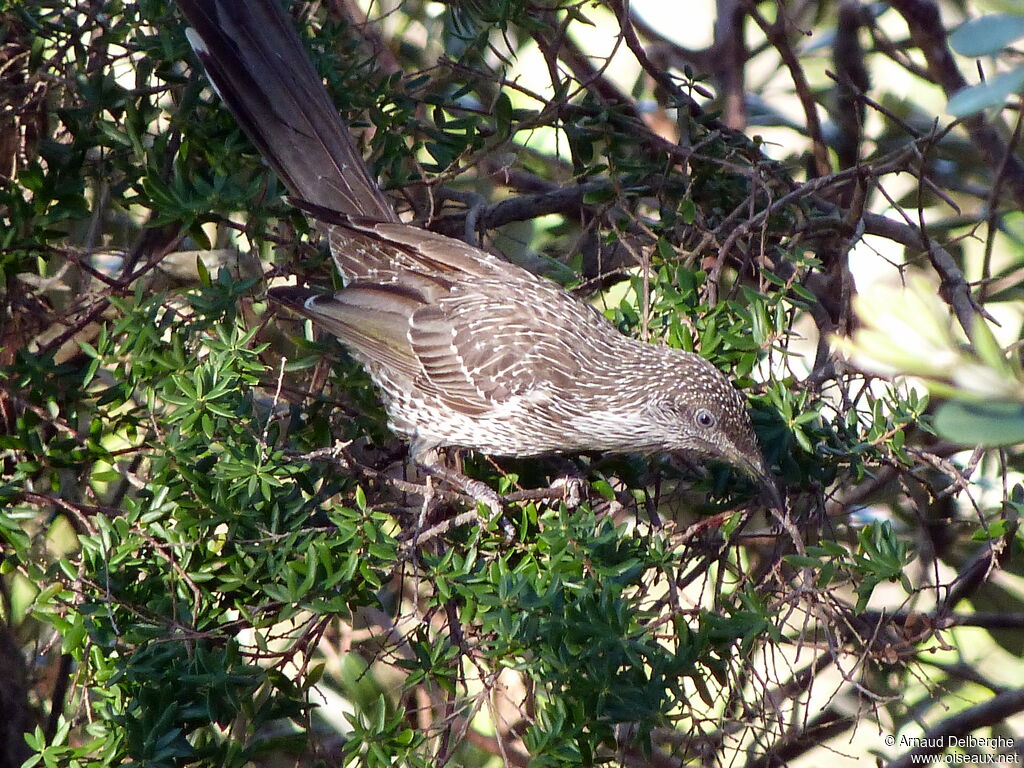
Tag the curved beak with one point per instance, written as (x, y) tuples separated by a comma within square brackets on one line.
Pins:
[(754, 466)]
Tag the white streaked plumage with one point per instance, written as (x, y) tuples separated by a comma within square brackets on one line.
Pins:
[(465, 348)]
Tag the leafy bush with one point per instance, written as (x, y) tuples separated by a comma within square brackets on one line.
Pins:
[(214, 552)]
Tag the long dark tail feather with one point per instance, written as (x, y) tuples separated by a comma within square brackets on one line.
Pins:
[(261, 70)]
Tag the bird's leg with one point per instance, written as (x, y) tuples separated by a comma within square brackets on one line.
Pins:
[(421, 518), (651, 502), (428, 459)]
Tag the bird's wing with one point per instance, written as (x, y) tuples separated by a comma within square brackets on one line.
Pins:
[(365, 248), (482, 344), (372, 320), (472, 344), (475, 330)]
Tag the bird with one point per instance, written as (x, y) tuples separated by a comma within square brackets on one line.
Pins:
[(467, 350)]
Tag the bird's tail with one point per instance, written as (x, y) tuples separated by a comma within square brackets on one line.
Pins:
[(261, 70)]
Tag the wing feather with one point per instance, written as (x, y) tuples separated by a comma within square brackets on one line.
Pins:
[(481, 345), (372, 320), (466, 327)]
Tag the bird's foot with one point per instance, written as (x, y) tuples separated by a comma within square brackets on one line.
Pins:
[(478, 491), (571, 489), (573, 484), (482, 493)]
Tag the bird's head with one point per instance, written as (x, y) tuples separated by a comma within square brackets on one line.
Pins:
[(699, 412)]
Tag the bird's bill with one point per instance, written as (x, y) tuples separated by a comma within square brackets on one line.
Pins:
[(771, 489), (757, 470)]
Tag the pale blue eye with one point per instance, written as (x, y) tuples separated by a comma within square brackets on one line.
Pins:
[(704, 418)]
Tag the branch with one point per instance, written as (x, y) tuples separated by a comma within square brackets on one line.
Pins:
[(778, 35), (821, 728), (955, 290), (927, 32), (662, 78)]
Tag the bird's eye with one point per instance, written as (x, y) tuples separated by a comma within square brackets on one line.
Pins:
[(704, 418)]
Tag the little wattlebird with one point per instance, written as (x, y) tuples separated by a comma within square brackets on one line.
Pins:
[(466, 350)]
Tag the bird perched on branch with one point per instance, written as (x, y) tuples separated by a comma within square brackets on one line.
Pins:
[(466, 349)]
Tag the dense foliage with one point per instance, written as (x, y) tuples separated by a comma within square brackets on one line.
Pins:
[(216, 554)]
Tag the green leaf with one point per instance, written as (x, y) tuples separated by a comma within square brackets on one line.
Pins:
[(988, 348), (687, 211), (503, 113), (203, 272), (598, 196), (987, 35), (988, 423), (800, 561), (992, 93), (996, 530)]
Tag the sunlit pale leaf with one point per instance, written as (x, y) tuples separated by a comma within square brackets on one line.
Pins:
[(992, 93), (989, 423), (987, 35)]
